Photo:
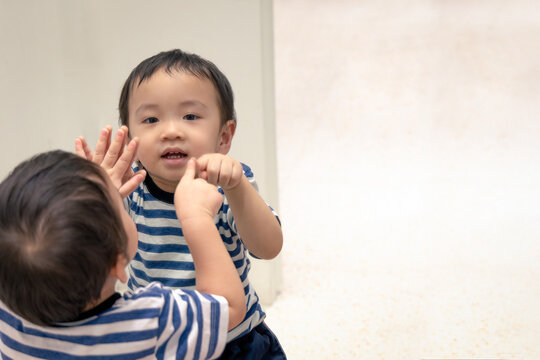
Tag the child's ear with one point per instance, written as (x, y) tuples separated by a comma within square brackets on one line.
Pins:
[(119, 269), (226, 136)]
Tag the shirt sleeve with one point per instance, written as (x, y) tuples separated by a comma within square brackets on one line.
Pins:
[(192, 325)]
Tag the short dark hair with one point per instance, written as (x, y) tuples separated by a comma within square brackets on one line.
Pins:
[(180, 61), (60, 235)]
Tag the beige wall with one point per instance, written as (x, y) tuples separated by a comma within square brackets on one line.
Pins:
[(63, 62), (408, 138)]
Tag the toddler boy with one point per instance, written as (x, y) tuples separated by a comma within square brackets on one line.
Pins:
[(181, 106), (65, 239)]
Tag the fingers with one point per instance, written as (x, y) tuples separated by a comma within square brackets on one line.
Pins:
[(191, 170), (114, 157), (102, 144), (194, 197), (114, 152), (214, 170), (123, 164), (130, 185), (236, 175), (209, 168), (220, 170), (82, 149)]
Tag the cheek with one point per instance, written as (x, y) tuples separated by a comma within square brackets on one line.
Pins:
[(207, 140), (142, 155)]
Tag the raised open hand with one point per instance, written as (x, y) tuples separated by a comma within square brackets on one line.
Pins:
[(114, 157)]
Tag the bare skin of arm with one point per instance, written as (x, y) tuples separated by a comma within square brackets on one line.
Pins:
[(257, 225), (197, 202)]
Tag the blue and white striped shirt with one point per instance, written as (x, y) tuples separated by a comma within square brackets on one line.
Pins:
[(163, 254), (153, 323)]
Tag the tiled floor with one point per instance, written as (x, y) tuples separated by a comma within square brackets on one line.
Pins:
[(408, 165)]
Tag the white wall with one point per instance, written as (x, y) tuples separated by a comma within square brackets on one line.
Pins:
[(63, 63)]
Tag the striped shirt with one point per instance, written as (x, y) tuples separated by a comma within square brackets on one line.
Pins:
[(163, 254), (153, 323)]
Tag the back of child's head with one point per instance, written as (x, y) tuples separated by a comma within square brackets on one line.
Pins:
[(60, 235), (181, 61)]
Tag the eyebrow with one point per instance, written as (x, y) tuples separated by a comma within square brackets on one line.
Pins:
[(144, 107), (193, 103)]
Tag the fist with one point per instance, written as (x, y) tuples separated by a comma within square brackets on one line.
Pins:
[(220, 170), (195, 197)]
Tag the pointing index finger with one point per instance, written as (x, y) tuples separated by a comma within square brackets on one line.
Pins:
[(191, 169)]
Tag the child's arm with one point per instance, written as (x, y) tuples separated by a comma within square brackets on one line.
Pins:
[(196, 203), (259, 228), (114, 158)]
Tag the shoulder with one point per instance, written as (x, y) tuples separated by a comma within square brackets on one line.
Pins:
[(156, 290), (187, 320), (153, 292)]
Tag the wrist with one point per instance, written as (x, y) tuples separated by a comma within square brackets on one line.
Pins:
[(196, 221), (202, 218), (243, 180)]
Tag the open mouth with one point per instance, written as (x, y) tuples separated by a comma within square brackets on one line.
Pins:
[(173, 155)]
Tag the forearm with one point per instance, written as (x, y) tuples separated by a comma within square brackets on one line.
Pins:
[(214, 270), (255, 222)]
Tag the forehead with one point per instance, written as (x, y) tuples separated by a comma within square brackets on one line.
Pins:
[(182, 84)]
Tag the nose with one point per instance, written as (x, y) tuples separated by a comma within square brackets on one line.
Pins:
[(172, 130)]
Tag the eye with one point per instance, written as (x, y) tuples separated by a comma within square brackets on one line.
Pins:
[(150, 120), (191, 117)]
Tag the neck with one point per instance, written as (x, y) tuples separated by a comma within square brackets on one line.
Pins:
[(158, 192)]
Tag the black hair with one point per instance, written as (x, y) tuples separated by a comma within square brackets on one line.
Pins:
[(179, 60), (60, 235)]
